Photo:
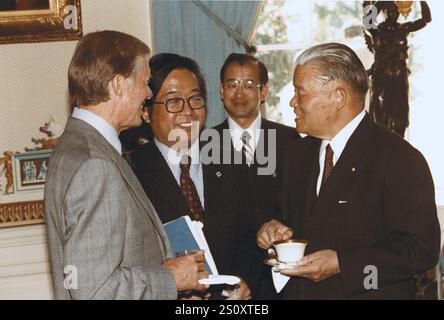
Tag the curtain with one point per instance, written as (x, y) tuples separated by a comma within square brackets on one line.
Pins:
[(182, 27)]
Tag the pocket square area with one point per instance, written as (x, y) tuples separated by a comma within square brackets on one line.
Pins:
[(342, 201)]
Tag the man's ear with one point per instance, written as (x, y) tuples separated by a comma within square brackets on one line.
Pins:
[(146, 116), (264, 93), (221, 91), (116, 85), (340, 97)]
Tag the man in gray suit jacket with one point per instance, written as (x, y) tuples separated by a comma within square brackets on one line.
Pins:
[(105, 238)]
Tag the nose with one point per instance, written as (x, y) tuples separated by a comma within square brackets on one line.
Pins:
[(294, 102), (186, 108), (239, 90)]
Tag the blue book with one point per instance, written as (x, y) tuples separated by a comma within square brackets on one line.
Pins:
[(184, 236)]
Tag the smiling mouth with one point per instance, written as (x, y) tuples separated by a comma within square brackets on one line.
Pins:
[(185, 125), (236, 102)]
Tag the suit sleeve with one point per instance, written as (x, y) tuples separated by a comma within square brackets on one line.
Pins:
[(96, 205), (411, 244)]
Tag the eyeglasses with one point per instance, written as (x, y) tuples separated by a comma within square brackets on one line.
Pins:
[(244, 84), (176, 105)]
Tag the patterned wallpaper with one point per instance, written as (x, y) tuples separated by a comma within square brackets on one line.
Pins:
[(33, 81)]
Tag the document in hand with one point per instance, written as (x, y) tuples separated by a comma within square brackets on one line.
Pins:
[(186, 235)]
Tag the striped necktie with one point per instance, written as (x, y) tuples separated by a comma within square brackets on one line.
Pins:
[(247, 148)]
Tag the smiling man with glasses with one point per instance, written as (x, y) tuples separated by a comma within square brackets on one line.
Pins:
[(234, 84), (178, 183), (176, 105)]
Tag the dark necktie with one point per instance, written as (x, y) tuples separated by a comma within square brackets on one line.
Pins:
[(246, 147), (189, 189), (328, 164)]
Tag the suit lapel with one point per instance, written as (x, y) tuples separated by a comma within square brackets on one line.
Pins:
[(341, 178), (160, 171), (310, 180), (139, 193), (234, 154), (209, 183), (127, 174), (262, 143)]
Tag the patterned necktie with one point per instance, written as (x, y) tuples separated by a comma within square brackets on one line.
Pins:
[(246, 147), (189, 189), (328, 164)]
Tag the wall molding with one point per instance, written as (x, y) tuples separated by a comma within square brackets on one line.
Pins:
[(21, 213), (25, 271), (24, 251)]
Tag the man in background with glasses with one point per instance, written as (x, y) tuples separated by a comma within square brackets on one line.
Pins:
[(243, 90)]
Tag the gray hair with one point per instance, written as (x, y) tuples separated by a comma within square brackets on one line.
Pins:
[(138, 65), (336, 61)]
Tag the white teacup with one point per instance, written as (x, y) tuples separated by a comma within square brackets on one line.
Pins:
[(290, 251)]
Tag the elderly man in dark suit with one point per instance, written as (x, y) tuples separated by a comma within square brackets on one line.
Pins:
[(361, 195), (105, 238), (243, 89), (180, 182)]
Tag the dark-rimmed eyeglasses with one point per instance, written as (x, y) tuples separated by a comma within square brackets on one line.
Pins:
[(235, 84), (176, 105)]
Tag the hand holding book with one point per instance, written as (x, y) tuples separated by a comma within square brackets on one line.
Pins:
[(186, 236)]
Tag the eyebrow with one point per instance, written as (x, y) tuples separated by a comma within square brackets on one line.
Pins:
[(230, 79), (175, 91)]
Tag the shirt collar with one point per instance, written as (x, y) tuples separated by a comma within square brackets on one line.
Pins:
[(101, 125), (173, 157), (339, 142), (236, 131)]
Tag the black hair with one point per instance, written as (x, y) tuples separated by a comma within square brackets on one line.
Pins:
[(243, 59), (163, 64)]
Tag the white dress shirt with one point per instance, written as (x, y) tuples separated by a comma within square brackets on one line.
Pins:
[(236, 132), (172, 158), (338, 144), (105, 129)]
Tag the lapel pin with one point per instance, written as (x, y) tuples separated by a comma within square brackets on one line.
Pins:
[(353, 169), (218, 174)]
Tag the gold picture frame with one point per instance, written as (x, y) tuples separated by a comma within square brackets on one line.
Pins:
[(23, 203), (21, 213), (51, 20), (30, 170)]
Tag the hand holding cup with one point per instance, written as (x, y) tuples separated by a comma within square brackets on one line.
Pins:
[(290, 251), (187, 268)]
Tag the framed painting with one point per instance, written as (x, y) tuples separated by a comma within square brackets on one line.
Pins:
[(30, 170), (39, 20)]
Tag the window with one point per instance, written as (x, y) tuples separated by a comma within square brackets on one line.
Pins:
[(286, 27)]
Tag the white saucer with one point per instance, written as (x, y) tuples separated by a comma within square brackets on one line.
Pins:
[(220, 279), (282, 266)]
